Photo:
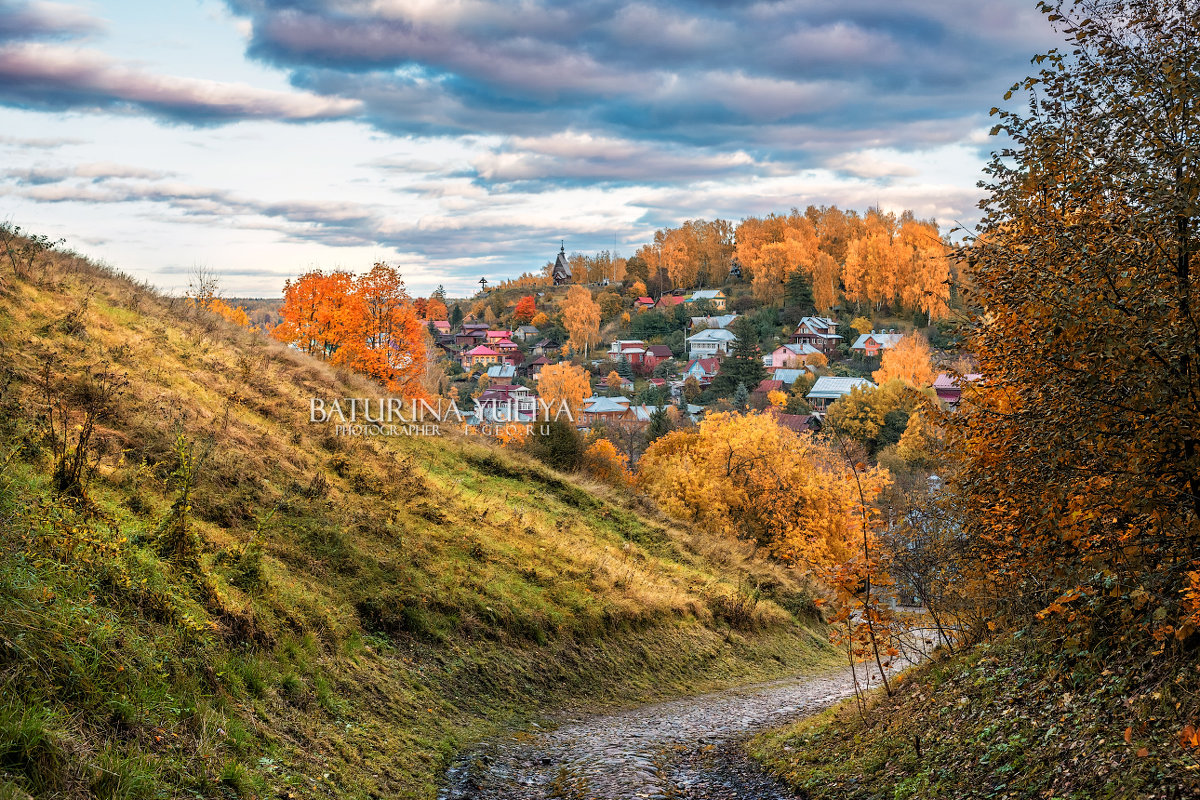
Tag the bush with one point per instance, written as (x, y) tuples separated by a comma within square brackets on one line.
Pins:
[(560, 447)]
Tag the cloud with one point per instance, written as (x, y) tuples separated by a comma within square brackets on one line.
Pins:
[(865, 164), (39, 142), (52, 77), (685, 71), (97, 172), (579, 158), (43, 20)]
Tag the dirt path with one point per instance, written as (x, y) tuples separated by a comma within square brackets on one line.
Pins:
[(687, 748)]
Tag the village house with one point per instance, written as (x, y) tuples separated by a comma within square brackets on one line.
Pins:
[(507, 402), (546, 347), (873, 343), (829, 388), (643, 303), (669, 301), (495, 336), (469, 337), (710, 342), (788, 376), (605, 409), (480, 355), (533, 369), (790, 355), (818, 332), (949, 388), (655, 355), (702, 369), (502, 372), (504, 346), (442, 326), (800, 423), (722, 321), (633, 350), (714, 296), (525, 333), (768, 385)]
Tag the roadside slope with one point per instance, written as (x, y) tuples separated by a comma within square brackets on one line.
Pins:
[(1023, 716), (243, 604)]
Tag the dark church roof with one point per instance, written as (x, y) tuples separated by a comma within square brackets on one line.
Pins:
[(562, 271)]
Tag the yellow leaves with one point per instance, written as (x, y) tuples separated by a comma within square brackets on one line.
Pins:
[(747, 476), (909, 361), (581, 317), (604, 462), (564, 382)]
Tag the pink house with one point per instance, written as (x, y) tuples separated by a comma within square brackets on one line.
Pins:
[(479, 356), (790, 355), (949, 389)]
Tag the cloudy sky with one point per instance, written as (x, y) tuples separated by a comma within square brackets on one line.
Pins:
[(466, 138)]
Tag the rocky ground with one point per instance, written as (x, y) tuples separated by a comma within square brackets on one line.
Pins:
[(687, 748)]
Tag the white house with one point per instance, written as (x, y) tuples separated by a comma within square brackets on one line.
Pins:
[(722, 321), (711, 342), (829, 388)]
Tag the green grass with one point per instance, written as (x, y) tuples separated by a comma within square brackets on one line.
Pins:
[(355, 611), (1018, 717)]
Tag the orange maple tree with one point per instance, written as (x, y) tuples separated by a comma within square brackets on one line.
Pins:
[(524, 312), (368, 323)]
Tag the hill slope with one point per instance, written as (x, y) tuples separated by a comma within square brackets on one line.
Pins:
[(1023, 715), (222, 599)]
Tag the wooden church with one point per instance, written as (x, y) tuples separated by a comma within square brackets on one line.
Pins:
[(562, 271)]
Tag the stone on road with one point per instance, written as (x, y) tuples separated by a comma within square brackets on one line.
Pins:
[(686, 748)]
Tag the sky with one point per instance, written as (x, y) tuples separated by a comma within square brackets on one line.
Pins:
[(459, 139)]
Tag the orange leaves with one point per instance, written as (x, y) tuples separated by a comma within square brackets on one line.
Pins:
[(1189, 737), (524, 313), (605, 463), (370, 324), (1061, 603), (235, 314), (435, 309)]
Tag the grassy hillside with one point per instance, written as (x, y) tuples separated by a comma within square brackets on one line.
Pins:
[(221, 599), (1024, 716)]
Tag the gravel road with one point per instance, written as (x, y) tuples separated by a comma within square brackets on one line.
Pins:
[(687, 748)]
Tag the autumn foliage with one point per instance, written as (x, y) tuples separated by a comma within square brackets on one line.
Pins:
[(369, 323), (604, 462), (1081, 447), (581, 318), (910, 361), (874, 261), (564, 382), (747, 476), (524, 312)]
